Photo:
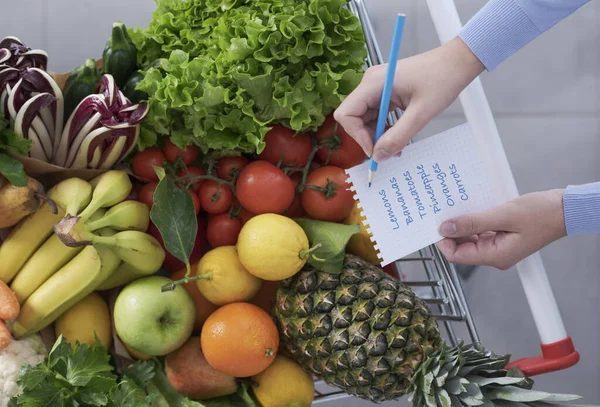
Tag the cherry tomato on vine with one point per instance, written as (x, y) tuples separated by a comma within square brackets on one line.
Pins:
[(146, 194), (326, 195), (226, 165), (296, 210), (196, 201), (283, 144), (172, 152), (143, 161), (343, 151), (192, 172), (223, 230), (215, 198), (264, 188)]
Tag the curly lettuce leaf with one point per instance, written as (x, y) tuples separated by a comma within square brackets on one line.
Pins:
[(220, 72)]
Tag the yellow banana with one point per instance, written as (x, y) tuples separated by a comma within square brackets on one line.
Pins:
[(110, 188), (70, 196), (46, 261), (124, 274), (127, 215), (69, 285), (139, 249)]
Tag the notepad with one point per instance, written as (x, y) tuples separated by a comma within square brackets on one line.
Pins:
[(435, 179)]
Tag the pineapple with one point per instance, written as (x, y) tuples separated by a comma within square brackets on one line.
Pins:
[(369, 335)]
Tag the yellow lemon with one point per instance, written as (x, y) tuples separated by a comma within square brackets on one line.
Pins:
[(80, 322), (224, 278), (284, 384), (272, 247), (360, 244)]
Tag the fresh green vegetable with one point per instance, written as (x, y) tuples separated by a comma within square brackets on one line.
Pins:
[(130, 91), (219, 73), (82, 375), (120, 55), (82, 82), (10, 142)]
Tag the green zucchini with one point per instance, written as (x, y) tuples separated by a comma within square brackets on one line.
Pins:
[(119, 58), (81, 83), (129, 90)]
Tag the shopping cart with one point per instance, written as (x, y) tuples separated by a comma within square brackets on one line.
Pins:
[(429, 274)]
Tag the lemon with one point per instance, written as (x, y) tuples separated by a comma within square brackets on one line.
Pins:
[(284, 384), (360, 244), (272, 247), (225, 278), (80, 322)]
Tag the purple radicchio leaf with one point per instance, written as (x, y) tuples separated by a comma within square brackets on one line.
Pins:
[(108, 88), (84, 119), (29, 125), (21, 56)]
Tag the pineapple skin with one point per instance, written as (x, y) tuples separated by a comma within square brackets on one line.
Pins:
[(361, 330)]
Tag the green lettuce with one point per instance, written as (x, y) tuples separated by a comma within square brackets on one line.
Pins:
[(219, 72)]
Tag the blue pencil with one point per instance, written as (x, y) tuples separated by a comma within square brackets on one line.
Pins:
[(384, 107)]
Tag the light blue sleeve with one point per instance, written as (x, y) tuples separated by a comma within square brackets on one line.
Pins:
[(581, 205), (502, 27)]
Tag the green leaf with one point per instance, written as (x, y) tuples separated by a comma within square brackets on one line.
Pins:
[(218, 74), (70, 375), (174, 215), (333, 238), (13, 170)]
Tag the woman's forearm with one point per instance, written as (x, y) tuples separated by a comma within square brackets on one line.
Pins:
[(502, 27)]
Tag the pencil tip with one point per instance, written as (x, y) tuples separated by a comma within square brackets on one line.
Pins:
[(369, 185)]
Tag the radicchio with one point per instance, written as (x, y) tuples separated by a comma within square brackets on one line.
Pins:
[(102, 130)]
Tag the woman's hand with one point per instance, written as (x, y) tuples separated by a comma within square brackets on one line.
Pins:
[(503, 236), (424, 85)]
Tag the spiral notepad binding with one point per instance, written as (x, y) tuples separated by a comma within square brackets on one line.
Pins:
[(364, 221)]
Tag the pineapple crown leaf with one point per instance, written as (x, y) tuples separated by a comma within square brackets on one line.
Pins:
[(469, 375)]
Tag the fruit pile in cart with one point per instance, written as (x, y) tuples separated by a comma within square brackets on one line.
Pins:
[(177, 229)]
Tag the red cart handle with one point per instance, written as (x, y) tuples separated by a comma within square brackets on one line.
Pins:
[(555, 356)]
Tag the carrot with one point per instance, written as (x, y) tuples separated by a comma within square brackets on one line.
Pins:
[(9, 305), (4, 336)]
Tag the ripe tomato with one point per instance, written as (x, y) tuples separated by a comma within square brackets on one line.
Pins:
[(392, 271), (193, 172), (222, 230), (196, 201), (296, 210), (282, 144), (171, 262), (334, 203), (264, 188), (226, 165), (146, 194), (245, 215), (143, 161), (215, 198), (344, 152), (172, 152)]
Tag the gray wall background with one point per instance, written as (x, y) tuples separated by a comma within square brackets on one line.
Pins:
[(546, 100)]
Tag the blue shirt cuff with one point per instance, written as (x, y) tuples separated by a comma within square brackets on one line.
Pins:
[(497, 31), (581, 205)]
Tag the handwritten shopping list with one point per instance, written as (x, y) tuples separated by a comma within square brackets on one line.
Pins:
[(435, 179)]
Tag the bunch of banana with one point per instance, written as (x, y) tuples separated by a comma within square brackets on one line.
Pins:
[(100, 236)]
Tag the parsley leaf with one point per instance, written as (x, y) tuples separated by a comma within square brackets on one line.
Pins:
[(70, 376), (10, 167)]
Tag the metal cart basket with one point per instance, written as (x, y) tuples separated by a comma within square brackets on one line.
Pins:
[(429, 274)]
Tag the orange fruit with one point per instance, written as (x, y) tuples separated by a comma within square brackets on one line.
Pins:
[(203, 307), (239, 339)]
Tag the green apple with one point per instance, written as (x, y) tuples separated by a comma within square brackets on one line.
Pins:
[(151, 321)]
